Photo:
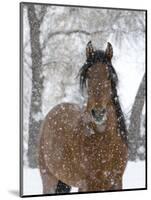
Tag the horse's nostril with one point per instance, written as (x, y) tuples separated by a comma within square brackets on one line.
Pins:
[(103, 111), (99, 114), (93, 112)]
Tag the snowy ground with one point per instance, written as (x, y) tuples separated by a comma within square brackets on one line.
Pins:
[(134, 177)]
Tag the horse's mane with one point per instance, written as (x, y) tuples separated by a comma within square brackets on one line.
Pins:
[(99, 56)]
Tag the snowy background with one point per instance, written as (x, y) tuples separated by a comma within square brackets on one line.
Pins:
[(64, 33)]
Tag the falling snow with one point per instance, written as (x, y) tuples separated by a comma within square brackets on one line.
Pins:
[(63, 50)]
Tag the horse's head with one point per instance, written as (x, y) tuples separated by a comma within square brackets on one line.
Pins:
[(98, 76)]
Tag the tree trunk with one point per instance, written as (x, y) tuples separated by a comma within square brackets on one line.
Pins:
[(134, 137), (37, 87)]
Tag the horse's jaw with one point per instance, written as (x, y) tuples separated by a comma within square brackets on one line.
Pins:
[(100, 128), (93, 129)]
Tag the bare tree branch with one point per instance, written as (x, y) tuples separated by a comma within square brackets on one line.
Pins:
[(68, 33), (42, 13)]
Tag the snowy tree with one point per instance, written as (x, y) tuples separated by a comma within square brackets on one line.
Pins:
[(136, 139), (37, 82)]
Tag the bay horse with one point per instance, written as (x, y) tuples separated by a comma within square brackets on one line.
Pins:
[(86, 147)]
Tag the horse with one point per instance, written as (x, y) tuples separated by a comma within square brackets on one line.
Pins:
[(86, 147)]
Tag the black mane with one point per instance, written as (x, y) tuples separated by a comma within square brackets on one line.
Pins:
[(99, 56)]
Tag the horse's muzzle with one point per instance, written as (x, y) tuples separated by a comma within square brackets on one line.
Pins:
[(99, 115)]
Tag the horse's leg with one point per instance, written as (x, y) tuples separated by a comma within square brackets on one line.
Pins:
[(89, 188), (96, 187), (49, 182), (117, 185), (62, 188), (51, 185), (82, 189)]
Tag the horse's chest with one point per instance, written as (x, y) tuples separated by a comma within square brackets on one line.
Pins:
[(92, 151), (72, 155)]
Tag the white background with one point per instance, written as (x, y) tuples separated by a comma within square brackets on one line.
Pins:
[(9, 99)]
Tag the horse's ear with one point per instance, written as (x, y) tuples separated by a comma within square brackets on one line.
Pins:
[(89, 50), (109, 51)]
